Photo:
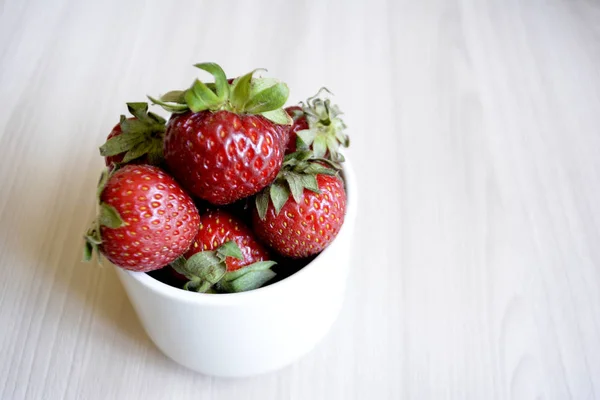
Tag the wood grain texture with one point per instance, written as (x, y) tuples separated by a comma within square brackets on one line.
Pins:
[(475, 126)]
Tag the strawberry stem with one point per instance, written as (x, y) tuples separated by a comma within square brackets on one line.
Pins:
[(245, 95)]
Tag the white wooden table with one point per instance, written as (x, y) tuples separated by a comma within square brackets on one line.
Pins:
[(476, 136)]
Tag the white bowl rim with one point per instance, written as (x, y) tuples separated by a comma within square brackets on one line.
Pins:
[(165, 290)]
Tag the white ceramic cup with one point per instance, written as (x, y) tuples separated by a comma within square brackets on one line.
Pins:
[(249, 333)]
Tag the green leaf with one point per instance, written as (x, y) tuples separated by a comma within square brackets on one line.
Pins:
[(250, 277), (293, 160), (333, 146), (241, 91), (310, 182), (88, 250), (269, 99), (157, 119), (307, 136), (333, 165), (200, 261), (337, 157), (155, 155), (319, 146), (278, 116), (231, 249), (318, 169), (262, 204), (295, 183), (179, 265), (257, 266), (137, 151), (300, 144), (257, 85), (323, 119), (93, 238), (204, 287), (249, 281), (221, 85), (170, 106), (122, 143), (104, 175), (279, 195), (109, 216), (205, 269), (174, 96), (300, 155), (138, 110), (136, 126), (193, 285), (200, 98), (213, 273)]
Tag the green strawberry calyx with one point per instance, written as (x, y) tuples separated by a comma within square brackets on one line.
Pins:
[(141, 135), (207, 271), (245, 95), (325, 134), (107, 216), (299, 172)]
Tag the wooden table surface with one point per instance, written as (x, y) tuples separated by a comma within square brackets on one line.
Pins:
[(475, 129)]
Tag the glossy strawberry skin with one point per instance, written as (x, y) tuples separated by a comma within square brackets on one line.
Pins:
[(220, 156), (161, 220), (218, 227), (306, 228), (300, 123)]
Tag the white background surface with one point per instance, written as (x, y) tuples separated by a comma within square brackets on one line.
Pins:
[(475, 128)]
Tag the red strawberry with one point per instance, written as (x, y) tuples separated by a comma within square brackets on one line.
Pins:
[(224, 144), (222, 156), (136, 140), (317, 127), (305, 223), (284, 132), (300, 124), (224, 256), (146, 220), (218, 227)]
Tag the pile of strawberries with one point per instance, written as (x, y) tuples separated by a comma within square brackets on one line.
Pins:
[(266, 180)]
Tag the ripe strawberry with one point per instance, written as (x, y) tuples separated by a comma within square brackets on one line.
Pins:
[(220, 156), (224, 256), (317, 127), (305, 223), (300, 124), (136, 140), (223, 142), (146, 220), (218, 227)]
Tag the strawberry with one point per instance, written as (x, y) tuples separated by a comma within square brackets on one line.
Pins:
[(136, 140), (305, 223), (223, 142), (224, 256), (146, 220), (300, 124), (317, 127), (218, 227)]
